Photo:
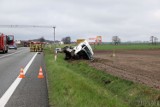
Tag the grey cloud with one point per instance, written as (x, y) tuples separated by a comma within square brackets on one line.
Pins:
[(129, 19)]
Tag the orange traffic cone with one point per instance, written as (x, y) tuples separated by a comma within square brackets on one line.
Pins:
[(21, 75), (40, 74)]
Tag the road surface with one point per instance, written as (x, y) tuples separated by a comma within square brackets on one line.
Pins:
[(30, 91)]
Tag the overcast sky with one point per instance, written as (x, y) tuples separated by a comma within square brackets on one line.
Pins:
[(131, 20)]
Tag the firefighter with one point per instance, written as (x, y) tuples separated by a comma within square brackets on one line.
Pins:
[(34, 47)]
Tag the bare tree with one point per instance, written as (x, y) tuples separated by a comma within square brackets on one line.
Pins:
[(154, 40), (42, 39), (116, 40), (66, 40)]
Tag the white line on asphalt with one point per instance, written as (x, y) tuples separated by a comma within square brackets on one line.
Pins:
[(6, 96), (10, 54)]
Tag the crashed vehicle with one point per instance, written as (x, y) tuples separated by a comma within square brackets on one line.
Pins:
[(82, 51)]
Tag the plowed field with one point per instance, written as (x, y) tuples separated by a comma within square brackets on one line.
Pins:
[(142, 66)]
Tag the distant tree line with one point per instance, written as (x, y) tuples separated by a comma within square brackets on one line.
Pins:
[(41, 39), (116, 40)]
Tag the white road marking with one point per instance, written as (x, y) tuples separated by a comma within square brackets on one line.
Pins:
[(11, 54), (6, 96)]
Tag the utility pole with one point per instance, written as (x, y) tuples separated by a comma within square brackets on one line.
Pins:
[(54, 36)]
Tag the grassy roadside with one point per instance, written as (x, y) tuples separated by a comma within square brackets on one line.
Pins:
[(75, 84)]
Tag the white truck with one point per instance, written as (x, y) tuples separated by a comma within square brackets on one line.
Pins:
[(82, 51)]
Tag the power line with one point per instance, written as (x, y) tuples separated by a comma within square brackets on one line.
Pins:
[(30, 26), (25, 26)]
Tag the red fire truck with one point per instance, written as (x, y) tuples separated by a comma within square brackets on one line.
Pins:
[(5, 41)]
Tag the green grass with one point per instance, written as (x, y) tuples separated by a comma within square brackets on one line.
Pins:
[(75, 84), (126, 47), (59, 46)]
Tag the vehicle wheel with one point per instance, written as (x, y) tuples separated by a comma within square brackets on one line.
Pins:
[(6, 51)]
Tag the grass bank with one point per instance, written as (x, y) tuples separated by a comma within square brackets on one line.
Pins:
[(75, 84)]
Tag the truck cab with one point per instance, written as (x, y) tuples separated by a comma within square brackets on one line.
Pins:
[(5, 41), (82, 51)]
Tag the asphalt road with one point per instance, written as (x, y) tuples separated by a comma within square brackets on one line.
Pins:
[(31, 91), (12, 51)]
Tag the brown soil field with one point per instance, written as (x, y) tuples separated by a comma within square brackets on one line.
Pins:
[(142, 66)]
